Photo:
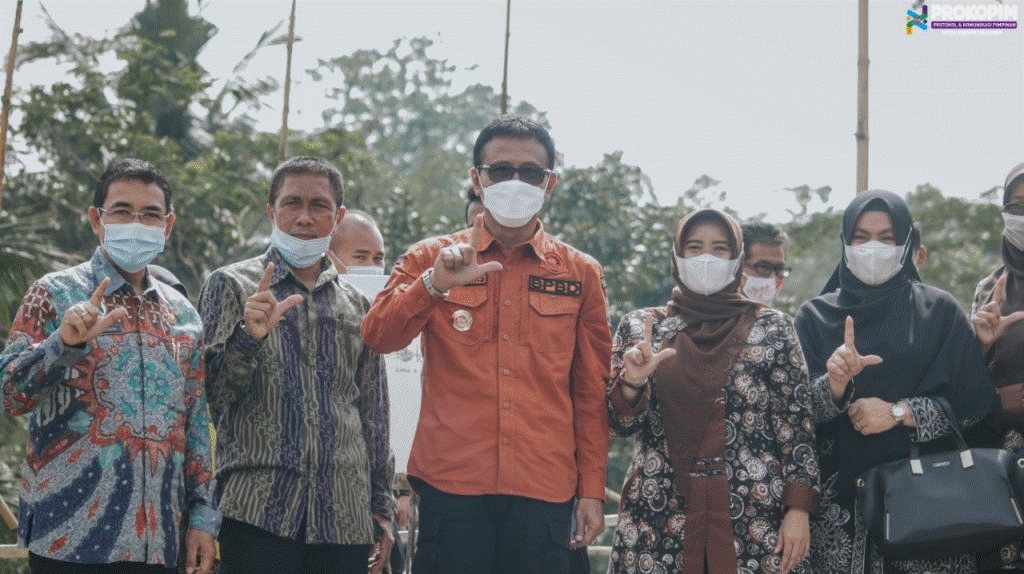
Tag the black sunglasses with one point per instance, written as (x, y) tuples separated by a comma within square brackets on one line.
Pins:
[(765, 269), (531, 174)]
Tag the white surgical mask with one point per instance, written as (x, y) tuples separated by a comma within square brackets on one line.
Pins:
[(131, 246), (874, 262), (299, 253), (761, 289), (364, 270), (707, 274), (513, 203), (1013, 229)]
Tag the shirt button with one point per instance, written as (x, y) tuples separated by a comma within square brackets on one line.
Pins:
[(508, 303), (505, 440), (506, 405), (504, 337), (504, 371)]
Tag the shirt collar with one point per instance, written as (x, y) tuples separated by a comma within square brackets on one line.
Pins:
[(540, 242), (103, 268), (282, 270)]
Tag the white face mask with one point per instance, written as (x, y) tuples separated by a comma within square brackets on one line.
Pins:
[(512, 202), (299, 253), (364, 270), (707, 274), (874, 262), (1013, 229), (131, 246), (761, 289)]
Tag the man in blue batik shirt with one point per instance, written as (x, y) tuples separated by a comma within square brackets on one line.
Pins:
[(106, 361)]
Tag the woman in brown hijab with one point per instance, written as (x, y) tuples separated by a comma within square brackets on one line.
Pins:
[(724, 473), (995, 315)]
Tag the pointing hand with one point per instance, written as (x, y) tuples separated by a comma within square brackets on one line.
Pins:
[(262, 310), (457, 265), (82, 321), (846, 363)]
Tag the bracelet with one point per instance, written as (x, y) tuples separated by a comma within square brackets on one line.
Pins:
[(434, 292)]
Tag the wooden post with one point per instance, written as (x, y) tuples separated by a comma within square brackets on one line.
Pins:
[(862, 98), (282, 149), (5, 114), (504, 73)]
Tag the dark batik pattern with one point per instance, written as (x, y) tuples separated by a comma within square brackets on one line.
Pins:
[(769, 446), (839, 539), (302, 416), (1011, 554)]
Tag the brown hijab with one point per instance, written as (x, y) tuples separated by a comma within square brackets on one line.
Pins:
[(690, 385)]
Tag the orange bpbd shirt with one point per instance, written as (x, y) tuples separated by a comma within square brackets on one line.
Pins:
[(514, 369)]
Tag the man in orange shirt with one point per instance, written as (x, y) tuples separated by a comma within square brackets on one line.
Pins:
[(516, 349)]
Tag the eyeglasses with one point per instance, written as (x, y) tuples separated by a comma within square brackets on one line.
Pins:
[(125, 215), (765, 269), (531, 174), (1014, 209)]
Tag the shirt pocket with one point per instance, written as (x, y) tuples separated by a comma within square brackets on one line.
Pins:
[(551, 323), (464, 315), (348, 347)]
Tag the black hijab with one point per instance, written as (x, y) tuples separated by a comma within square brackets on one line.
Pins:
[(1005, 356), (921, 333)]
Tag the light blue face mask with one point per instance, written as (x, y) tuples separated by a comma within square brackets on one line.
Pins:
[(132, 246), (364, 270), (299, 253)]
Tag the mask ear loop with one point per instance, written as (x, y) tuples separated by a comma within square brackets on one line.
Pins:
[(906, 247)]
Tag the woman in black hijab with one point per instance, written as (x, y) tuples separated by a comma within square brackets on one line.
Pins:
[(880, 347), (996, 313)]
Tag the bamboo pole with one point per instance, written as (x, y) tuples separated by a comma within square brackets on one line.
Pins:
[(282, 150), (862, 98), (9, 519), (504, 73), (5, 113)]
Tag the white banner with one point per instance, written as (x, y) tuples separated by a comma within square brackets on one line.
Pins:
[(405, 376)]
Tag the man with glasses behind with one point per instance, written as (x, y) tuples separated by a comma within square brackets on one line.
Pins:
[(764, 262), (516, 347), (106, 360)]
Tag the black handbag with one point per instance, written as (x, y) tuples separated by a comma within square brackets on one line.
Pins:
[(946, 503)]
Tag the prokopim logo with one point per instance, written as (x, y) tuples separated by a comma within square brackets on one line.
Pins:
[(919, 20)]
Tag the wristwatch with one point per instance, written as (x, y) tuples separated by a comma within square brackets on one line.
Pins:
[(434, 291), (898, 412)]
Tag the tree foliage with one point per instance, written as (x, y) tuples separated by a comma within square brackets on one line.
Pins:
[(403, 138)]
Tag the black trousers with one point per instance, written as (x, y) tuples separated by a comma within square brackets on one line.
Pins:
[(490, 533), (246, 549), (42, 565)]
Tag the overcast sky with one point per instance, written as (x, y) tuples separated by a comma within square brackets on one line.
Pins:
[(760, 95)]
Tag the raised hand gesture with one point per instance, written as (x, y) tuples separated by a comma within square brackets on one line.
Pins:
[(989, 321), (262, 310), (846, 363), (457, 265), (640, 360), (82, 321)]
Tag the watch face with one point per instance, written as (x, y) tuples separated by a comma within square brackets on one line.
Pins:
[(898, 411)]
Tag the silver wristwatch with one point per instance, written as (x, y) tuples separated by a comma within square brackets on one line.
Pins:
[(898, 412), (434, 292)]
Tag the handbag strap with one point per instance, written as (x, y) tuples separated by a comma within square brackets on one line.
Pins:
[(966, 460)]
